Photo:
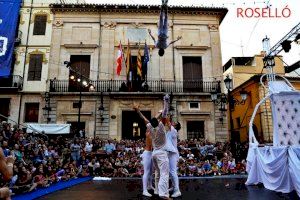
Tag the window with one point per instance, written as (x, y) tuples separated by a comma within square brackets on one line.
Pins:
[(238, 122), (4, 108), (195, 129), (194, 106), (32, 112), (192, 74), (40, 25), (81, 64), (35, 67)]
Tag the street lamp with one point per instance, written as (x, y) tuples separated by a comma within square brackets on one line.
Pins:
[(82, 82), (222, 99), (101, 108), (47, 106)]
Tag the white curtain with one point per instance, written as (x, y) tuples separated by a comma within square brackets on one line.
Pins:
[(278, 168)]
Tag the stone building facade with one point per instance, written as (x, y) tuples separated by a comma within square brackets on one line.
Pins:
[(88, 37)]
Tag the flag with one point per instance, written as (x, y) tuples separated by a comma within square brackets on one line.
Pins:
[(119, 59), (139, 63), (128, 60), (9, 15), (146, 60)]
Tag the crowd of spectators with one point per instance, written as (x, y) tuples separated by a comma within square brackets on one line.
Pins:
[(41, 161)]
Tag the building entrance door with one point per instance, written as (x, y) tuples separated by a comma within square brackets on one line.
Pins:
[(74, 127), (133, 127)]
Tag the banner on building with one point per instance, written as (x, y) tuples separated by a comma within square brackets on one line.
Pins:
[(49, 128), (9, 15)]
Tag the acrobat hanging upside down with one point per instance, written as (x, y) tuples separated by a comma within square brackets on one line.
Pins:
[(161, 42)]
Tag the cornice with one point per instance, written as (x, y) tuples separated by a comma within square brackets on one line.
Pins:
[(150, 9)]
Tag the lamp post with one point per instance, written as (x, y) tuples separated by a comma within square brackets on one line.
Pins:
[(47, 106), (82, 81), (222, 99)]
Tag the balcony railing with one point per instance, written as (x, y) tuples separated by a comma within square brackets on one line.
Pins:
[(193, 86), (11, 82)]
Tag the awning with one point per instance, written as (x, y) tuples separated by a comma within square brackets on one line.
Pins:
[(49, 128)]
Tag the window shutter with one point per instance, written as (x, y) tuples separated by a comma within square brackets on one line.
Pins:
[(35, 67), (40, 25)]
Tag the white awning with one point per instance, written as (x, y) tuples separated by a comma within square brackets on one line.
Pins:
[(49, 128)]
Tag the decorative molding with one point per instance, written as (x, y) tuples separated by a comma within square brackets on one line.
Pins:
[(137, 24), (84, 113), (17, 61), (109, 24), (58, 23), (45, 61), (22, 18), (41, 12), (192, 47), (213, 27), (194, 113), (83, 46)]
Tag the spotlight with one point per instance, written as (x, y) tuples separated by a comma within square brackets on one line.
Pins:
[(72, 77), (78, 80), (286, 45), (297, 39)]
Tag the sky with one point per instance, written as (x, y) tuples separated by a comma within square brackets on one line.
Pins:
[(243, 36)]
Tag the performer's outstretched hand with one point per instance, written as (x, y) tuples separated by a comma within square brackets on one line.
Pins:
[(136, 106), (149, 31), (179, 37)]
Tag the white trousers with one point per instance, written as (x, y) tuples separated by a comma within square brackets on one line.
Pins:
[(173, 160), (147, 164), (161, 165)]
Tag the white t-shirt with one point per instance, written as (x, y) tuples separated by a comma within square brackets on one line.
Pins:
[(172, 140), (88, 147)]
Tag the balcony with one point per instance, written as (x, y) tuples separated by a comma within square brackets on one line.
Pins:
[(152, 86), (12, 83)]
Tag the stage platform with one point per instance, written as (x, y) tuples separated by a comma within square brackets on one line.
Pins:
[(210, 188)]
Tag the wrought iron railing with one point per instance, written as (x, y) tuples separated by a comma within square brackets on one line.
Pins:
[(13, 81), (193, 86)]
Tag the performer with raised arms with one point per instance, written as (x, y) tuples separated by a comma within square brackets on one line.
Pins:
[(159, 155)]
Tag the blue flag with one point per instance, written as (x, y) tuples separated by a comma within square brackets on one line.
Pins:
[(9, 14), (146, 60)]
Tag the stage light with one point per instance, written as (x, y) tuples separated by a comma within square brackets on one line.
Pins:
[(78, 80), (297, 39), (286, 45), (72, 77)]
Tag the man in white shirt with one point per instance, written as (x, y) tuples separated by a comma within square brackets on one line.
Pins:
[(88, 146), (173, 155), (159, 154)]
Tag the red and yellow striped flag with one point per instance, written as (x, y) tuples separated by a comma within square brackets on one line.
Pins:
[(139, 62)]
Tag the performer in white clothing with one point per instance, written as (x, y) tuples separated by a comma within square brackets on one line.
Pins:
[(159, 155), (147, 164), (173, 156)]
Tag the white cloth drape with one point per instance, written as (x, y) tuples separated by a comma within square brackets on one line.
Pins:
[(278, 168)]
